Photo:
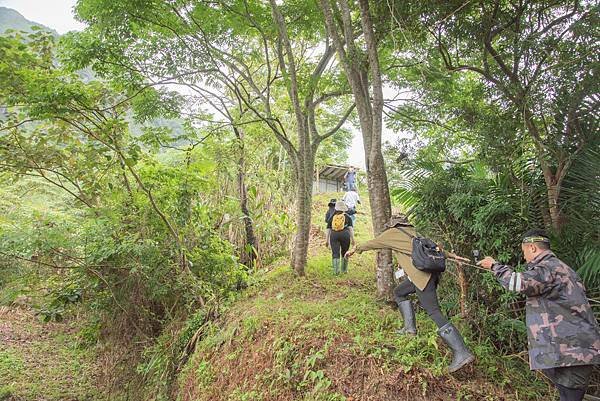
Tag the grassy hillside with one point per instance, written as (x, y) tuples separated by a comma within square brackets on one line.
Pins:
[(328, 338), (285, 338)]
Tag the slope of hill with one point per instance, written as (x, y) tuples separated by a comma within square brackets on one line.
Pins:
[(328, 338), (11, 19)]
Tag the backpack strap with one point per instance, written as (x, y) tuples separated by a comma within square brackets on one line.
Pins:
[(409, 236), (405, 232), (346, 215), (413, 237)]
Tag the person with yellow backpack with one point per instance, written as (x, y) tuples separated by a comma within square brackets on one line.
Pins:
[(340, 234)]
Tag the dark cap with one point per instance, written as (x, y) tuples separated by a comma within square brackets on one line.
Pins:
[(535, 235), (332, 202)]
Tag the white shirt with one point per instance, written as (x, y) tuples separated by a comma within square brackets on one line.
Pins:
[(351, 199)]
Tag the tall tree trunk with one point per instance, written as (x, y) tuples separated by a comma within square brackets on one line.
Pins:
[(379, 197), (552, 180), (306, 128), (303, 218), (250, 251), (553, 207), (381, 207), (370, 114)]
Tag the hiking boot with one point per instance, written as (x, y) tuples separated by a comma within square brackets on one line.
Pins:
[(344, 265), (336, 266), (408, 315), (461, 355)]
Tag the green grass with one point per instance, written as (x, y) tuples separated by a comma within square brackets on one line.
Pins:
[(336, 312), (11, 366), (300, 325), (41, 361), (46, 364)]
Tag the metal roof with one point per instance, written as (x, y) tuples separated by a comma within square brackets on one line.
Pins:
[(333, 172)]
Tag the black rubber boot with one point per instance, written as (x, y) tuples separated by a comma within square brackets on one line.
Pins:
[(344, 265), (336, 266), (570, 394), (408, 315), (461, 355)]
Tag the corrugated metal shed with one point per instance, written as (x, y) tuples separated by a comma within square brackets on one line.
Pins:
[(333, 172), (330, 178)]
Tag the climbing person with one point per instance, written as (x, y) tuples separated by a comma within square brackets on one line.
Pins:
[(563, 334), (340, 234), (350, 179), (351, 199), (398, 237)]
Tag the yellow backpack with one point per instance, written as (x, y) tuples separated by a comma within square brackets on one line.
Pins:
[(338, 223)]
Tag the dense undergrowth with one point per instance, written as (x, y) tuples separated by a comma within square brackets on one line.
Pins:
[(328, 338), (282, 338)]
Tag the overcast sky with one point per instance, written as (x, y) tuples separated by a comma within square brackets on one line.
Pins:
[(55, 14), (58, 15)]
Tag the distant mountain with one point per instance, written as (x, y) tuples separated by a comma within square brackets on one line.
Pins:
[(11, 19)]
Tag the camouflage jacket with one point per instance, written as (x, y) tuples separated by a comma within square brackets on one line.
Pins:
[(561, 327)]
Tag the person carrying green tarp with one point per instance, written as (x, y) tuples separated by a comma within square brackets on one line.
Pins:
[(398, 237)]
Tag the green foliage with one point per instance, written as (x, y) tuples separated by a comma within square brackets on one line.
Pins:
[(465, 210), (121, 197), (109, 221), (60, 299), (204, 374), (492, 137), (6, 391), (309, 330)]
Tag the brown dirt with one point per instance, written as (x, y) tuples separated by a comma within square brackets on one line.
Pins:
[(357, 377), (316, 240)]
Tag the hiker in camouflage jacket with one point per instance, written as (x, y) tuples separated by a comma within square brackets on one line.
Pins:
[(563, 334)]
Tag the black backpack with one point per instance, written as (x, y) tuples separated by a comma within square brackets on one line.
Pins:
[(426, 256)]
